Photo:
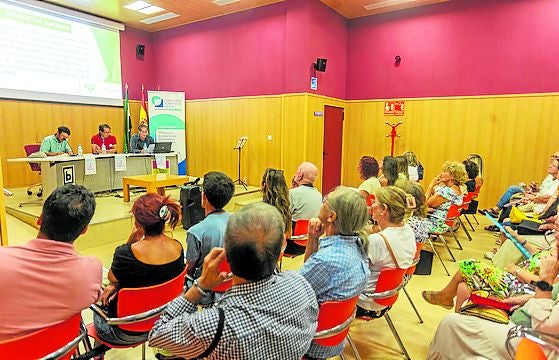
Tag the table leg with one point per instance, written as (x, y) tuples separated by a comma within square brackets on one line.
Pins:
[(126, 191)]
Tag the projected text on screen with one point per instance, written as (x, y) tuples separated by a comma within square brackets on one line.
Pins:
[(53, 58)]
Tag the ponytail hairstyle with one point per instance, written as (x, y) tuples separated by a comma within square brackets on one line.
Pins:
[(351, 213), (152, 211), (415, 190)]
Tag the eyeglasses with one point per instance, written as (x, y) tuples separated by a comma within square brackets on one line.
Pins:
[(325, 202)]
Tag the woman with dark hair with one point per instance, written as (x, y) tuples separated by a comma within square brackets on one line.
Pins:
[(368, 172), (473, 171), (149, 258), (276, 193), (389, 171)]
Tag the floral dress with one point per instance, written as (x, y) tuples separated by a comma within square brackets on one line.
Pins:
[(481, 276), (437, 217)]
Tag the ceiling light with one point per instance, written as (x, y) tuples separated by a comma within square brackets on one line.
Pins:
[(386, 3), (159, 18), (151, 9), (137, 5), (224, 2)]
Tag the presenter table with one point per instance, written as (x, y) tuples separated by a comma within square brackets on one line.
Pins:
[(60, 170), (153, 183)]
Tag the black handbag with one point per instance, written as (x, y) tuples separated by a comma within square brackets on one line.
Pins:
[(425, 263)]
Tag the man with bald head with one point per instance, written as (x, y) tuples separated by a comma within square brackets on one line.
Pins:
[(262, 316)]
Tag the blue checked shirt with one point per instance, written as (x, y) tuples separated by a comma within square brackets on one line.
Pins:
[(339, 270), (273, 318)]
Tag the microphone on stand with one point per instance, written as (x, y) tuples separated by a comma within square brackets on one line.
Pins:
[(194, 182)]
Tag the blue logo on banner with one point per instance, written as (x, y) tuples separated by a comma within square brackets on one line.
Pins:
[(157, 102)]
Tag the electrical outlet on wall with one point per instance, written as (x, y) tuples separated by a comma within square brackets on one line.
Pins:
[(269, 137)]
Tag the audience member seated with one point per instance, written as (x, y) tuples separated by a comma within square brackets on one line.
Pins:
[(148, 258), (368, 171), (304, 199), (392, 247), (417, 221), (472, 170), (402, 165), (217, 190), (57, 144), (265, 315), (140, 142), (389, 171), (275, 192), (45, 281), (444, 191), (466, 337), (415, 169), (103, 137), (548, 186), (339, 270)]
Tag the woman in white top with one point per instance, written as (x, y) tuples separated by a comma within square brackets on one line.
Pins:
[(368, 171), (388, 210)]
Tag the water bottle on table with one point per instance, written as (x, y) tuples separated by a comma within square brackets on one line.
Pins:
[(80, 150), (145, 148), (103, 149)]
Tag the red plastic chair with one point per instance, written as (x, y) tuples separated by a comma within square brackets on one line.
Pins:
[(139, 308), (532, 344), (389, 283), (226, 285), (59, 341), (409, 274), (301, 232), (334, 319)]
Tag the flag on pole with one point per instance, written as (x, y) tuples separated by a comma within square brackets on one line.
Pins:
[(143, 110), (127, 121)]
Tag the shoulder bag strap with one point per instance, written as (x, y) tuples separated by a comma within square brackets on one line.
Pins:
[(217, 336), (390, 250)]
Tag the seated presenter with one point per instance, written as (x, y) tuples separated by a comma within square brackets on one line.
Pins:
[(141, 141), (103, 137), (57, 144)]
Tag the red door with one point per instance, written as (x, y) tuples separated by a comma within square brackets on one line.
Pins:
[(332, 153)]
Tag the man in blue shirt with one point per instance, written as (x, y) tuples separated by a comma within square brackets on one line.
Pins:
[(218, 189)]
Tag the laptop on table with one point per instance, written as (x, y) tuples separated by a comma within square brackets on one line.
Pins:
[(162, 147)]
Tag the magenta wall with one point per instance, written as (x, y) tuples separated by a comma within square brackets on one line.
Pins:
[(463, 47), (136, 71)]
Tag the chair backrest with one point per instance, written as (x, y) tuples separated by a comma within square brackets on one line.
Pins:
[(224, 286), (529, 350), (453, 214), (411, 269), (370, 199), (334, 318), (301, 232), (132, 301), (46, 341), (389, 279), (31, 149)]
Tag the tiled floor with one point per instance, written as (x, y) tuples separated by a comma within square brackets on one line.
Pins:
[(373, 339)]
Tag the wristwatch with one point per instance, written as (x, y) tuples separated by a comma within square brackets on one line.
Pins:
[(542, 285), (202, 291)]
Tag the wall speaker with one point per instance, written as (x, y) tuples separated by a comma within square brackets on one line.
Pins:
[(140, 50), (320, 65)]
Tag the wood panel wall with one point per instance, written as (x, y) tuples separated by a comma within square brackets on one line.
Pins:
[(25, 122), (515, 135)]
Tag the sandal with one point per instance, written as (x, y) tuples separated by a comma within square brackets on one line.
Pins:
[(431, 298), (489, 211), (492, 228)]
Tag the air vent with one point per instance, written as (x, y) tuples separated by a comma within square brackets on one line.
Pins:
[(224, 2)]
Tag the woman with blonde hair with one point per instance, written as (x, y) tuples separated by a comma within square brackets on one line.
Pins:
[(402, 166), (445, 190), (392, 247), (415, 169)]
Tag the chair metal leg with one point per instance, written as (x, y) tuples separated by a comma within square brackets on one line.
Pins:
[(475, 218), (446, 244), (438, 256), (456, 239), (353, 348), (465, 230), (469, 223), (143, 351), (400, 343), (413, 305)]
